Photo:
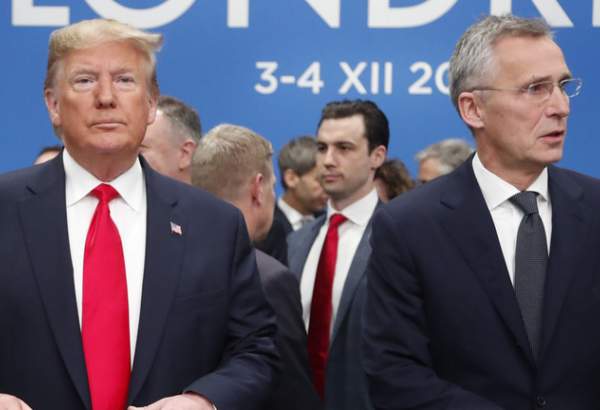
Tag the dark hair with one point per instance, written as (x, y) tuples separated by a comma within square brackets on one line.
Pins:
[(181, 115), (395, 176), (377, 128), (299, 155)]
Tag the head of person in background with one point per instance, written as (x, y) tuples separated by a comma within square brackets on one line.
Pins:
[(352, 138), (392, 179), (235, 164), (300, 179), (442, 158), (47, 153), (171, 140)]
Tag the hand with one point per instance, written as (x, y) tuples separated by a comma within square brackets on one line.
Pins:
[(8, 402), (185, 401)]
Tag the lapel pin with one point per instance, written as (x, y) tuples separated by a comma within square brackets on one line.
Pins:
[(176, 229)]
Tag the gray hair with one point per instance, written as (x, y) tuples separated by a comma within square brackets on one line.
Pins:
[(472, 60), (184, 120), (227, 158), (299, 155), (450, 153), (89, 33)]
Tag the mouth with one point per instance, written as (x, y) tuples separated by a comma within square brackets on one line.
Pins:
[(554, 136), (107, 125), (331, 177)]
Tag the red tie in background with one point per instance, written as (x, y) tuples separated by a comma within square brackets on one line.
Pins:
[(321, 308), (105, 328)]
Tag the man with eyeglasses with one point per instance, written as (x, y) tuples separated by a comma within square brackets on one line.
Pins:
[(483, 290)]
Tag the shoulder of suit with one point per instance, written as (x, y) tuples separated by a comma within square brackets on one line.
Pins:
[(270, 268)]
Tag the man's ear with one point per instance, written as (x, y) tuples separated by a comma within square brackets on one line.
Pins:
[(53, 106), (257, 189), (471, 110), (186, 153), (291, 178), (152, 107), (377, 156)]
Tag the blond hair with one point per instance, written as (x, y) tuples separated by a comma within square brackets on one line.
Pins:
[(90, 33), (228, 158)]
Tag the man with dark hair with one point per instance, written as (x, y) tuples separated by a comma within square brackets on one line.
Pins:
[(483, 285), (331, 252), (122, 288), (171, 140), (303, 196)]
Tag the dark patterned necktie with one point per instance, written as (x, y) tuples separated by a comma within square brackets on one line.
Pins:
[(531, 259)]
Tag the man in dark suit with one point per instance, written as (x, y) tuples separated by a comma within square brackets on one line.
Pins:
[(483, 284), (235, 164), (331, 253), (112, 292), (303, 198)]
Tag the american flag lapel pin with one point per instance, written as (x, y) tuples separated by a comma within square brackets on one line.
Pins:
[(176, 229)]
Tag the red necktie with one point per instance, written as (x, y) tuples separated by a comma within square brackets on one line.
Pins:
[(321, 307), (105, 328)]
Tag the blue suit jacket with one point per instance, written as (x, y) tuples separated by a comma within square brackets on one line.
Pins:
[(204, 326), (345, 384), (443, 329)]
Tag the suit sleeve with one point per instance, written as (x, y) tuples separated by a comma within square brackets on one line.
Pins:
[(244, 378), (397, 358)]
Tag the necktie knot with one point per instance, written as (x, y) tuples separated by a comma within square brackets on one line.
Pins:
[(526, 201), (105, 193), (336, 220)]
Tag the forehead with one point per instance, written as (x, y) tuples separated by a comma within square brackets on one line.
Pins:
[(110, 56), (529, 58), (348, 129)]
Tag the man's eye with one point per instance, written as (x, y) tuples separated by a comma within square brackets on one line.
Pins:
[(537, 88)]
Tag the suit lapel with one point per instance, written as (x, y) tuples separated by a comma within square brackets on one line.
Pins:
[(570, 225), (300, 247), (470, 225), (164, 252), (43, 216), (355, 274)]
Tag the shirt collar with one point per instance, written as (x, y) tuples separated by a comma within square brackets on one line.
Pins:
[(496, 191), (79, 182), (291, 213), (358, 212)]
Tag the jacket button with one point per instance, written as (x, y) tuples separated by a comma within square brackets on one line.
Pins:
[(540, 401)]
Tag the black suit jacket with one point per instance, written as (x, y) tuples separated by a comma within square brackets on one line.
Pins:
[(275, 244), (293, 388), (442, 326), (205, 325)]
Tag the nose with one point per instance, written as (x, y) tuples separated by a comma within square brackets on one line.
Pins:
[(328, 157), (558, 104), (105, 93)]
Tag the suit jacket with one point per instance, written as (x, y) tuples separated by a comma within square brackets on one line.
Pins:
[(205, 325), (275, 244), (443, 329), (345, 380), (293, 389)]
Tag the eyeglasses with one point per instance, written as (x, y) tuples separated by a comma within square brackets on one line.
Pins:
[(542, 90)]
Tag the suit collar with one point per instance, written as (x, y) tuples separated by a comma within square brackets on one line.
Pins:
[(468, 222), (43, 215), (164, 256)]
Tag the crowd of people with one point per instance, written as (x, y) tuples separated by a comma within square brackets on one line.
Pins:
[(149, 265)]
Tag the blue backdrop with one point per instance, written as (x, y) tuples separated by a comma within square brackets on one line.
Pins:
[(271, 65)]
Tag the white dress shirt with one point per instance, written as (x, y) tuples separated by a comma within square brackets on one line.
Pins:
[(128, 211), (350, 233), (296, 219), (507, 216)]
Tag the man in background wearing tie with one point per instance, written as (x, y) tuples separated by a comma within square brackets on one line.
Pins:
[(113, 293), (331, 252), (483, 285)]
